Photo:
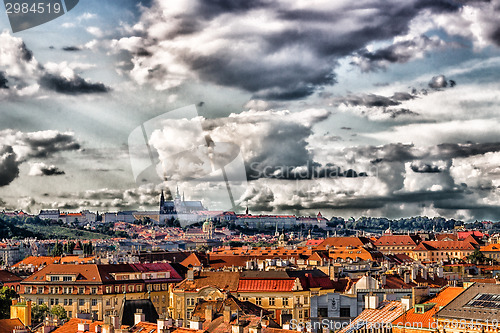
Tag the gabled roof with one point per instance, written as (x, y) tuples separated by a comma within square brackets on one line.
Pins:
[(195, 260), (408, 240), (6, 277), (8, 325), (222, 280)]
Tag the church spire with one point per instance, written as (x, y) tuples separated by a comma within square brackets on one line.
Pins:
[(177, 195)]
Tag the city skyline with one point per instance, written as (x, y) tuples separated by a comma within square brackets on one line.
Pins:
[(372, 108)]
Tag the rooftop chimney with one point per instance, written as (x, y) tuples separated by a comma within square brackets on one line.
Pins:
[(160, 325), (407, 277), (209, 314), (190, 275), (371, 301), (196, 323), (139, 316), (83, 327), (115, 321), (227, 314), (406, 301), (107, 328)]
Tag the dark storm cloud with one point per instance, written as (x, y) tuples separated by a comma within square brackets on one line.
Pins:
[(399, 52), (456, 150), (42, 145), (30, 73), (367, 100), (41, 169), (402, 96), (294, 59), (425, 168), (18, 147), (438, 82), (73, 86), (400, 112), (3, 81), (9, 165), (399, 152), (71, 48)]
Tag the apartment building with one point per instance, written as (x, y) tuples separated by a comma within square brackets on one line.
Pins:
[(99, 290)]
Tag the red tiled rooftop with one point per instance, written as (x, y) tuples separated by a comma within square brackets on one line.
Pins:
[(266, 284)]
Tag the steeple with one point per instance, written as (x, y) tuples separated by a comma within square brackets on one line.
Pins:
[(183, 198), (177, 195)]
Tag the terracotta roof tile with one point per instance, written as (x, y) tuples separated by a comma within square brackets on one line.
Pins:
[(426, 318), (266, 284), (71, 326)]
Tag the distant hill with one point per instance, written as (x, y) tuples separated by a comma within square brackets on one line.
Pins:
[(9, 230), (13, 227)]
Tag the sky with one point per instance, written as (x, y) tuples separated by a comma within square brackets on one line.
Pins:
[(367, 108)]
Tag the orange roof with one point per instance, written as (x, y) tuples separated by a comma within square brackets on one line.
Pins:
[(491, 247), (222, 280), (384, 314), (425, 319), (444, 245), (396, 240), (71, 326), (8, 325), (36, 261), (266, 284), (343, 242)]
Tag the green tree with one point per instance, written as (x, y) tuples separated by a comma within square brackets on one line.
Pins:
[(57, 250), (59, 312), (38, 313), (6, 297), (477, 256)]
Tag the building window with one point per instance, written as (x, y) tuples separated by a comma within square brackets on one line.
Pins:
[(67, 278), (285, 301), (40, 301), (65, 301), (131, 288), (40, 290), (70, 314), (54, 278), (117, 289), (108, 302), (301, 315), (258, 300), (94, 302), (271, 301), (70, 302), (139, 288), (52, 301), (190, 302), (323, 312), (81, 302), (81, 290), (345, 312), (306, 300), (93, 290)]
